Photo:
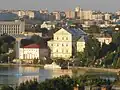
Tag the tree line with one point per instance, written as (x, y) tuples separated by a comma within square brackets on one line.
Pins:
[(62, 83)]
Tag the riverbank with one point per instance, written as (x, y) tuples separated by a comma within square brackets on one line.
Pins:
[(31, 65), (97, 69), (74, 68)]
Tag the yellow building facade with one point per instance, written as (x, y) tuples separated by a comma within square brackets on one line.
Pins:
[(81, 45), (63, 43)]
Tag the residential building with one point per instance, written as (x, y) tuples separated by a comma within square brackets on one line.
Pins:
[(81, 44), (107, 16), (83, 14), (57, 15), (97, 16), (32, 51), (12, 27), (86, 15), (78, 11), (106, 40), (44, 11), (28, 13), (49, 25), (117, 12), (64, 43), (70, 14)]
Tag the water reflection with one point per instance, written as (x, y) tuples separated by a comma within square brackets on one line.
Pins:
[(16, 75)]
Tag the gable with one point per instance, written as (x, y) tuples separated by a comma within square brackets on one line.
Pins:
[(62, 31)]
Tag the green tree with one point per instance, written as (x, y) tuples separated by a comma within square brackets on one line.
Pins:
[(108, 60), (4, 48), (6, 88), (92, 49), (94, 29), (81, 59)]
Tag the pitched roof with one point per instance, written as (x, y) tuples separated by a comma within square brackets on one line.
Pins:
[(76, 32), (32, 46), (81, 39)]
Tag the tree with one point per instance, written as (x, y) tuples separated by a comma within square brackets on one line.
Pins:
[(108, 60), (38, 40), (81, 59), (6, 88), (4, 48), (94, 29), (116, 38), (44, 31), (92, 48)]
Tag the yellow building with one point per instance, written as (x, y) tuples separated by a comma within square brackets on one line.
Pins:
[(64, 43), (28, 13), (80, 44)]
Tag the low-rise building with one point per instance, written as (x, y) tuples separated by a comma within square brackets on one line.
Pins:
[(81, 44), (49, 25), (106, 40), (32, 51)]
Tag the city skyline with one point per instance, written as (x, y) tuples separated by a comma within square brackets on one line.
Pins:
[(102, 5)]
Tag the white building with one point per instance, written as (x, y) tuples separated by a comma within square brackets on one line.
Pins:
[(12, 27), (107, 16), (70, 14), (49, 25), (106, 40), (31, 51), (86, 15), (57, 15), (97, 16)]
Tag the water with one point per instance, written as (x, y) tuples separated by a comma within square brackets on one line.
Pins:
[(17, 75)]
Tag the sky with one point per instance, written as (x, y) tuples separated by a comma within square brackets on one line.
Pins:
[(103, 5)]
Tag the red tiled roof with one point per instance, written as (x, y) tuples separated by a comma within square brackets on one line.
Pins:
[(32, 46)]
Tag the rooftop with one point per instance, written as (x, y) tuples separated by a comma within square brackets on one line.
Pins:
[(32, 46)]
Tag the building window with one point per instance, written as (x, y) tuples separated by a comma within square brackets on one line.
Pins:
[(62, 38), (51, 44), (62, 44), (66, 44), (57, 44), (66, 38), (62, 51), (57, 38), (56, 50), (66, 51)]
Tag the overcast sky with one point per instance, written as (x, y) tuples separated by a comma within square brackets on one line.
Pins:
[(103, 5)]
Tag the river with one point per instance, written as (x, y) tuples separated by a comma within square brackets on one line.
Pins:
[(15, 75)]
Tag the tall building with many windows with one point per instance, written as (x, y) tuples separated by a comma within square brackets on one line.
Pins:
[(70, 14), (12, 27)]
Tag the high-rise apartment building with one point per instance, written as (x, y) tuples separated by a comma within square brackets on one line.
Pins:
[(83, 14), (57, 15), (70, 14)]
